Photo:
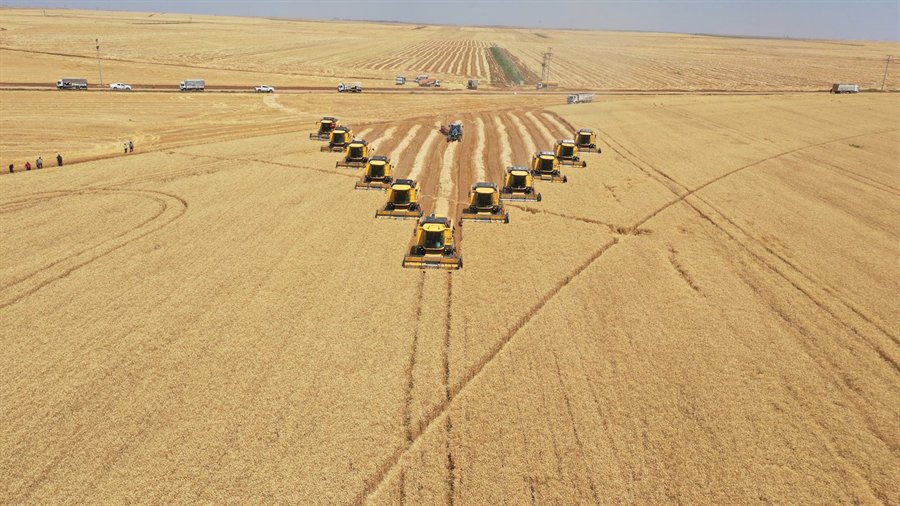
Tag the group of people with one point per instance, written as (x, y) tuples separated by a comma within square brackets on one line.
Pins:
[(38, 163), (128, 147)]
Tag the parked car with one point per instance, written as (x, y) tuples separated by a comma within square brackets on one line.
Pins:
[(265, 89), (120, 87)]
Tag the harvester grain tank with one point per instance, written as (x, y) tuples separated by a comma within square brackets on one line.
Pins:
[(192, 85), (377, 175), (402, 201), (338, 139), (356, 154), (72, 83), (586, 139), (545, 167), (433, 245), (519, 186), (324, 127), (566, 152), (484, 205)]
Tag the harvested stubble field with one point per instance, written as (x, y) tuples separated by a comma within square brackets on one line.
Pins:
[(163, 49), (707, 313)]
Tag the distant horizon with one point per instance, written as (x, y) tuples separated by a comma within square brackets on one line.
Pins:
[(866, 20)]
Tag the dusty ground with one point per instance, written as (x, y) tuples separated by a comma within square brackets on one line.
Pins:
[(707, 313)]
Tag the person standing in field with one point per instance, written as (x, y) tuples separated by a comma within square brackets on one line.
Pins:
[(131, 146), (58, 160), (39, 163), (27, 165), (12, 168), (125, 146)]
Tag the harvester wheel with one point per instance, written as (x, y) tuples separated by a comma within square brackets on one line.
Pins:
[(389, 206)]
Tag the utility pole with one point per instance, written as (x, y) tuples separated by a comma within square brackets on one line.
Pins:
[(887, 61), (99, 65), (545, 65)]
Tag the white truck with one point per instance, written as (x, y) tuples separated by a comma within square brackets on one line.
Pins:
[(192, 85), (350, 88), (400, 80), (72, 83), (580, 98), (844, 88)]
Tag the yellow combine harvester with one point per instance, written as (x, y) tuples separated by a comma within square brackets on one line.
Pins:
[(324, 127), (586, 140), (402, 201), (485, 205), (433, 246), (338, 139), (545, 167), (567, 153), (377, 175), (519, 186), (356, 155)]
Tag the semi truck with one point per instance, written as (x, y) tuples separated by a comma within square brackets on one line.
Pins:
[(193, 85), (72, 83), (844, 88), (580, 98), (350, 88)]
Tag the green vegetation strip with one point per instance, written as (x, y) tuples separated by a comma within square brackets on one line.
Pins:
[(510, 69)]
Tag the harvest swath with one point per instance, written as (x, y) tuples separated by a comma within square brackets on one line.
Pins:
[(705, 313)]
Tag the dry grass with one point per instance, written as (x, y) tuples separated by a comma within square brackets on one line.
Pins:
[(705, 314)]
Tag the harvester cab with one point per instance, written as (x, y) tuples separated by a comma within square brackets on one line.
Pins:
[(455, 132), (519, 186), (402, 201), (377, 175), (338, 139), (567, 153), (545, 167), (356, 154), (485, 205), (323, 128), (586, 140), (433, 246)]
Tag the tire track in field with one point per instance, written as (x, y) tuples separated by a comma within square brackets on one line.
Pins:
[(410, 370), (172, 207), (432, 417), (451, 463), (744, 244)]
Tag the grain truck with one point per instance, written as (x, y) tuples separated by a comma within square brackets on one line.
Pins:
[(72, 83), (844, 88), (193, 85)]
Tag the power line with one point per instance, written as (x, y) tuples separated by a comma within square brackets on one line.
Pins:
[(545, 65), (887, 61), (99, 65)]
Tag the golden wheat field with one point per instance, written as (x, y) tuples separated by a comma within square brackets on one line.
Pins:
[(707, 313)]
